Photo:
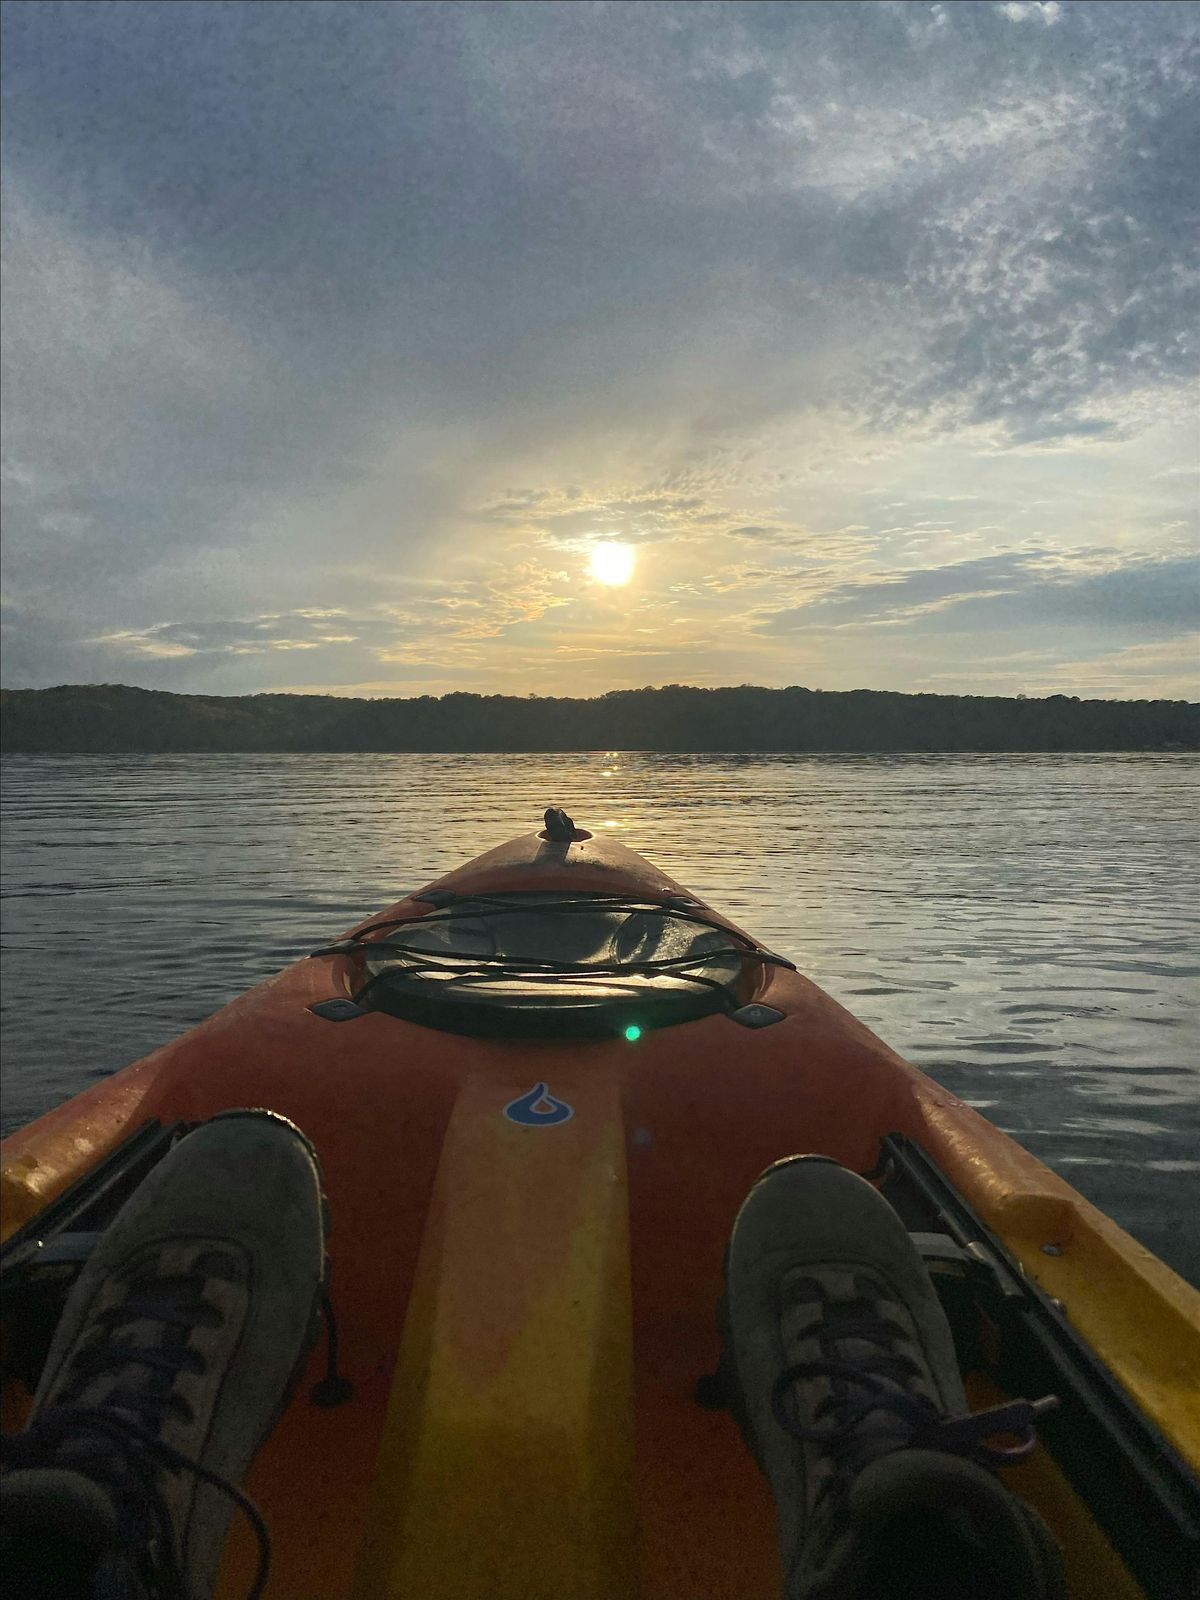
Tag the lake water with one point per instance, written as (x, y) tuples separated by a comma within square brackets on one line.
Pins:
[(1024, 928)]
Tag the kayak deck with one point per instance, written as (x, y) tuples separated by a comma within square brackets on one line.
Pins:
[(526, 1295)]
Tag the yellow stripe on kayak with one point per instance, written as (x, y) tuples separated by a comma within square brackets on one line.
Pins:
[(507, 1463)]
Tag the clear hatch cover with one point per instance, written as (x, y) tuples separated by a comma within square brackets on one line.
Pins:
[(555, 964)]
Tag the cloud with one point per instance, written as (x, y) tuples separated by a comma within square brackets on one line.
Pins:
[(308, 629), (778, 179), (1164, 669), (437, 620), (1036, 587), (650, 514), (295, 295), (111, 370), (1047, 12)]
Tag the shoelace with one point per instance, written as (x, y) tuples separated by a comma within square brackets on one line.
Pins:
[(861, 1387), (99, 1440), (117, 1444)]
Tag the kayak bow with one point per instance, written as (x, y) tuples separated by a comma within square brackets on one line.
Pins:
[(539, 1089)]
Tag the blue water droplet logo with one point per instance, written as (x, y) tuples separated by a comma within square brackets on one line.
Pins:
[(538, 1109)]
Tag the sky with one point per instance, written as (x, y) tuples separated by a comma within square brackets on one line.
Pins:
[(861, 338)]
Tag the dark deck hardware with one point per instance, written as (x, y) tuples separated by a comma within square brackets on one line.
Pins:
[(337, 1010), (756, 1015)]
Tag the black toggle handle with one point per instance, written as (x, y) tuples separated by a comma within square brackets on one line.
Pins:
[(559, 827)]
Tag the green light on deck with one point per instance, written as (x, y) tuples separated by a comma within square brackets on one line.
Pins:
[(633, 1033)]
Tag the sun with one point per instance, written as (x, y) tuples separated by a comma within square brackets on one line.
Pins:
[(611, 563)]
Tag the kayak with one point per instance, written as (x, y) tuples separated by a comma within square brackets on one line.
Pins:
[(540, 1088)]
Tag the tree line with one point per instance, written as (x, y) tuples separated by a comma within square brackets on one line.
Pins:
[(117, 718)]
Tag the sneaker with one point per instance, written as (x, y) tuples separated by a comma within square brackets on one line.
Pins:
[(844, 1381), (173, 1359)]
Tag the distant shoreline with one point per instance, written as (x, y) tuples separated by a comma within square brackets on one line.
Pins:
[(117, 719)]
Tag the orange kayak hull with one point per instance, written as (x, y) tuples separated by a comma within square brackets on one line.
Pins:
[(525, 1311)]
